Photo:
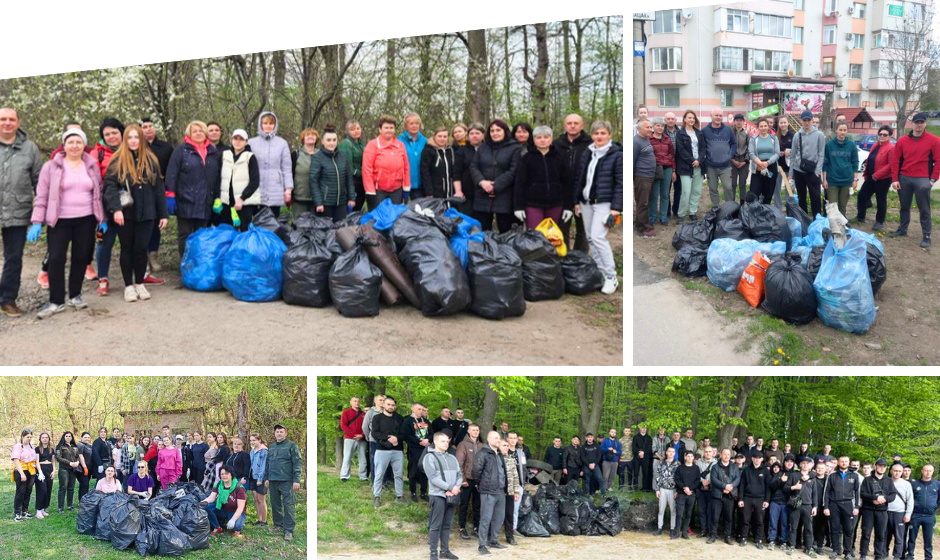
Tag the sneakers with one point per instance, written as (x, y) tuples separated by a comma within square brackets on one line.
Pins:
[(711, 540), (686, 536), (19, 518), (279, 529), (878, 226), (377, 501), (26, 515), (770, 547), (673, 534), (11, 310), (649, 232), (481, 550), (610, 285), (61, 510), (926, 242), (237, 534), (90, 273), (43, 280), (77, 302), (464, 535), (154, 264), (130, 294), (104, 287), (511, 540), (414, 498), (448, 555), (142, 293), (658, 532), (150, 279), (48, 310), (833, 556), (400, 500), (216, 531), (760, 545), (728, 541), (897, 233), (497, 545), (288, 537), (811, 553), (261, 523)]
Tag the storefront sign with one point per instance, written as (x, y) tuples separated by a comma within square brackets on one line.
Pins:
[(644, 16), (763, 112), (796, 86), (895, 10), (639, 48), (795, 103), (757, 99)]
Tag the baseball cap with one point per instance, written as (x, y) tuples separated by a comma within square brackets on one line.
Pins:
[(739, 456), (882, 462), (789, 457), (279, 426), (240, 132), (739, 116), (806, 115), (922, 116), (806, 459)]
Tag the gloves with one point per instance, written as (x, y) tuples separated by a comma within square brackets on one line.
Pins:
[(100, 469), (33, 235), (171, 205), (796, 199), (41, 477), (85, 473), (520, 215), (217, 206), (203, 504), (230, 524), (351, 204), (236, 220), (566, 215), (103, 227)]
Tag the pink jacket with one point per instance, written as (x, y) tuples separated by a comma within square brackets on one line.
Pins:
[(49, 190), (169, 466), (385, 166)]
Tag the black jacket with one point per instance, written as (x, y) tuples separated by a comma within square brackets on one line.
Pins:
[(839, 490), (684, 161), (240, 463), (163, 151), (644, 444), (780, 490), (187, 452), (571, 458), (608, 179), (873, 487), (193, 182), (439, 170), (755, 483), (149, 195), (463, 159), (720, 479), (688, 477), (489, 471), (495, 162), (591, 453), (555, 457), (543, 180), (810, 490), (439, 425), (458, 429), (571, 151), (100, 457), (384, 426)]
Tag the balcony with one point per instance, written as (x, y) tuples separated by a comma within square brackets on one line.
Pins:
[(882, 84), (667, 78)]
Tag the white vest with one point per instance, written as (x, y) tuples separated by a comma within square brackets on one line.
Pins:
[(236, 174)]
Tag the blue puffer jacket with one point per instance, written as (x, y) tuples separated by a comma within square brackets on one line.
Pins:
[(608, 178), (192, 182)]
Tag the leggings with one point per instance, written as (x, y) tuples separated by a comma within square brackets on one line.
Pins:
[(336, 213), (44, 488), (504, 222), (67, 477), (80, 233), (24, 489), (135, 241), (534, 216), (83, 482)]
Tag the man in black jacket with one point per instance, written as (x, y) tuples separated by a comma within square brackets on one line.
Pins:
[(779, 525), (841, 500), (688, 481), (441, 423), (877, 492), (386, 431), (459, 427), (591, 461), (725, 478), (754, 498), (414, 431), (164, 151), (489, 471), (820, 521), (806, 485), (555, 456), (571, 460), (572, 145), (643, 455)]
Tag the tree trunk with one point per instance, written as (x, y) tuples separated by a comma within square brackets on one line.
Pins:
[(339, 104), (391, 78), (507, 73), (490, 406), (244, 420), (424, 74), (537, 80), (733, 405), (338, 440), (280, 73), (68, 405), (590, 417), (478, 86)]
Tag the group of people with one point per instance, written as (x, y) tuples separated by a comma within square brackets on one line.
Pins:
[(227, 473), (128, 183), (821, 167)]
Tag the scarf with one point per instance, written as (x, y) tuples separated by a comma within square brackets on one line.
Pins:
[(224, 494), (202, 150), (596, 155)]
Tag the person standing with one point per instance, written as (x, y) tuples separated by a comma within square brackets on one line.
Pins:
[(467, 451), (386, 428), (414, 432), (720, 146), (626, 467), (877, 492), (806, 486), (24, 474), (438, 166), (169, 463), (703, 494), (611, 452), (571, 461), (665, 152), (110, 137), (258, 457), (84, 477), (644, 173), (494, 173), (350, 422), (334, 194), (377, 408), (71, 465), (199, 449), (660, 443), (282, 480), (689, 442), (841, 500), (490, 472), (690, 166), (776, 452), (238, 198), (840, 167), (459, 427), (643, 454), (20, 165), (445, 480), (193, 175), (877, 177), (754, 498), (924, 517), (476, 133), (785, 139), (129, 457), (724, 482), (517, 451), (542, 183), (688, 481), (385, 171), (591, 466), (239, 462), (300, 166), (273, 154), (164, 151), (100, 454), (513, 488), (572, 143), (806, 163), (913, 173), (740, 168), (780, 482), (45, 474), (554, 456), (353, 146), (672, 131), (414, 143), (441, 423), (763, 152), (214, 133), (900, 511)]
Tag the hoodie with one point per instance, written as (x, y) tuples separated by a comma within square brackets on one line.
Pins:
[(274, 165)]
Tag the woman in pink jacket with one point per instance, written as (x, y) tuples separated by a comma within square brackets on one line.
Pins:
[(385, 169), (68, 201), (169, 463)]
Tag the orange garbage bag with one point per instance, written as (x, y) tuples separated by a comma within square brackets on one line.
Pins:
[(553, 233), (751, 285)]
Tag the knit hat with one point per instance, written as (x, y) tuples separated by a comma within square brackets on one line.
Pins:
[(74, 132), (110, 122)]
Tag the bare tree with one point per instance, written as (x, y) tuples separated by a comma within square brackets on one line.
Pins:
[(478, 87), (907, 56), (573, 71), (537, 80)]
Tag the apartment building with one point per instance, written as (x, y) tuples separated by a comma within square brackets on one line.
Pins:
[(797, 54)]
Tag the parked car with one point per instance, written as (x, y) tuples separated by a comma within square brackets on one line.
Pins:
[(862, 158), (868, 141)]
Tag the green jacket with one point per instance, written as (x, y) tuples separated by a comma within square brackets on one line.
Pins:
[(353, 150), (331, 181), (20, 165), (283, 462), (840, 162)]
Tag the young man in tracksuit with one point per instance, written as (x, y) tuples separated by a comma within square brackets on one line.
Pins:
[(754, 498), (591, 465), (571, 461), (914, 170), (809, 489), (820, 520), (841, 500), (877, 492), (445, 479), (925, 510), (386, 431), (688, 482), (779, 498), (724, 482)]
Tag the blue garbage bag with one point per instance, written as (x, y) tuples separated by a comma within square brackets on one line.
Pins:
[(804, 252), (201, 266), (458, 244), (467, 226), (843, 287), (384, 215), (796, 229), (814, 232), (253, 267), (727, 258), (868, 237)]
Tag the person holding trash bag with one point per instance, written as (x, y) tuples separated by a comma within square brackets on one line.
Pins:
[(913, 173), (238, 198), (840, 167), (45, 474), (24, 474), (259, 456), (109, 484), (71, 464), (331, 179), (282, 478), (140, 483), (169, 463), (491, 474), (193, 175), (385, 168), (445, 481), (877, 177), (806, 162), (763, 152), (226, 502), (542, 184)]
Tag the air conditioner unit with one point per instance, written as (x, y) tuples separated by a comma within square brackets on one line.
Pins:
[(848, 36), (848, 48), (851, 10), (817, 75)]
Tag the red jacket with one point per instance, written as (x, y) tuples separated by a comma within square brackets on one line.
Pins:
[(664, 150), (882, 168), (351, 422), (916, 157), (385, 166), (102, 154)]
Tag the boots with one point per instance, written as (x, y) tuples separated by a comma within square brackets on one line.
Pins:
[(154, 264)]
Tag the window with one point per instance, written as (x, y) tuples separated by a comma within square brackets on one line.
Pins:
[(729, 58), (727, 98), (827, 66), (916, 11), (855, 100), (737, 21), (859, 11), (858, 41), (797, 4), (669, 97), (829, 35), (879, 100), (833, 5), (798, 35), (876, 39), (875, 67), (779, 26), (855, 71), (771, 61), (797, 67), (668, 21), (669, 58)]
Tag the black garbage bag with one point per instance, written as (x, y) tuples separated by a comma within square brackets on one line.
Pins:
[(526, 505), (495, 274), (351, 219), (572, 489), (764, 222), (728, 211), (279, 226), (192, 520), (794, 211), (586, 513), (107, 504), (568, 514), (309, 220), (542, 274), (581, 273), (876, 267), (355, 283), (531, 525), (697, 233), (412, 225), (551, 491), (88, 512), (436, 205), (144, 542), (814, 260), (169, 540), (125, 524), (691, 261), (548, 513), (789, 293), (609, 520), (731, 229), (439, 279), (307, 272)]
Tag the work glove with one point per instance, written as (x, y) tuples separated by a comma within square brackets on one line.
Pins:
[(520, 215), (230, 524), (236, 220), (566, 215), (33, 235), (203, 504), (103, 227), (796, 199), (217, 206), (170, 204), (40, 476), (85, 473), (100, 469)]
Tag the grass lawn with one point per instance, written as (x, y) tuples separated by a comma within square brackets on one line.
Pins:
[(56, 537)]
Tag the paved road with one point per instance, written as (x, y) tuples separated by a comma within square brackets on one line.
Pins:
[(676, 327)]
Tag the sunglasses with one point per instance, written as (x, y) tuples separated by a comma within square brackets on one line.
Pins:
[(883, 134), (141, 468)]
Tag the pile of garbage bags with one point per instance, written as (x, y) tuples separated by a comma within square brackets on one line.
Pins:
[(807, 276), (565, 510), (171, 524)]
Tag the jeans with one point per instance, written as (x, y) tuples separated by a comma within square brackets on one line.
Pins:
[(722, 509), (691, 193), (714, 175), (641, 201), (335, 213), (609, 468), (625, 474), (880, 190), (66, 486), (684, 506), (14, 240), (753, 511), (282, 504), (927, 522), (215, 514), (898, 528), (509, 522), (349, 446), (594, 480), (659, 196), (595, 223), (877, 520), (915, 188), (135, 239), (841, 523), (779, 516), (534, 216), (80, 233), (440, 519), (667, 498), (104, 248), (805, 515), (811, 183), (384, 458), (739, 177), (492, 512), (184, 228), (24, 489), (469, 494)]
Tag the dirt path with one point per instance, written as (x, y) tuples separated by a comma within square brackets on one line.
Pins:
[(181, 327)]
